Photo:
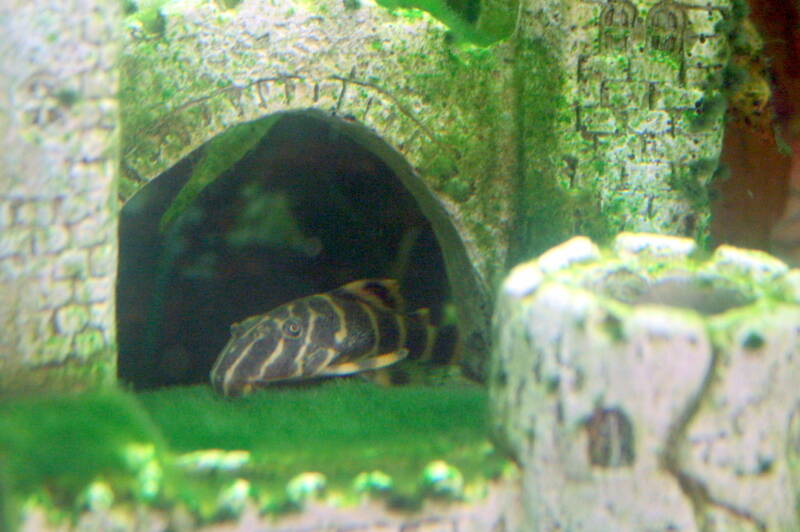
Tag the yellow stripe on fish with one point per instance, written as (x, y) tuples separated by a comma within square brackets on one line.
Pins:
[(361, 326)]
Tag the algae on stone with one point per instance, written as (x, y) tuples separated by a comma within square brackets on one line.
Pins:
[(657, 371), (58, 113), (536, 121)]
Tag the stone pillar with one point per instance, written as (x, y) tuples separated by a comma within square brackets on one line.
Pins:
[(634, 112), (643, 389), (58, 118)]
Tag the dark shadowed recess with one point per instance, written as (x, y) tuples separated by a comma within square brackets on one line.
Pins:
[(306, 210)]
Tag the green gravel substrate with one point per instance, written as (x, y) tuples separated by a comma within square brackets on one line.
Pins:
[(52, 448), (339, 428)]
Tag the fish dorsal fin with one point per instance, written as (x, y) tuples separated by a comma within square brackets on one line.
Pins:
[(380, 293)]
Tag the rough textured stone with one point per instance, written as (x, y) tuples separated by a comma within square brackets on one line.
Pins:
[(646, 390), (100, 314), (71, 319), (53, 134), (73, 263), (652, 123), (51, 240), (102, 261), (497, 135), (6, 214), (95, 290), (88, 232), (59, 293), (16, 240), (611, 407)]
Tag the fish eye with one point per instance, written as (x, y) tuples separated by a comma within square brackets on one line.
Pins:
[(292, 328)]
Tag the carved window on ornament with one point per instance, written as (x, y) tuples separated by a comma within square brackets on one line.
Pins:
[(666, 24), (617, 21)]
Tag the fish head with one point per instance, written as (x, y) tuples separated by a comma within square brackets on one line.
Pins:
[(263, 349)]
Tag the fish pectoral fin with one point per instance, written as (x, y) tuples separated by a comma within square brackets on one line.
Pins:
[(316, 364), (366, 364)]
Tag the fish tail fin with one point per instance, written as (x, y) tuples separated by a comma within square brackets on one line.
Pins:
[(437, 365), (441, 343), (423, 334), (434, 353)]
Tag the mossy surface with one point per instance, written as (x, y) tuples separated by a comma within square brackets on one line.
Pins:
[(61, 443), (52, 448), (339, 428), (96, 369), (221, 153), (458, 15), (550, 210), (320, 417)]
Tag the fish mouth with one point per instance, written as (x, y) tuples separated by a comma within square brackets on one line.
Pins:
[(236, 388), (218, 384)]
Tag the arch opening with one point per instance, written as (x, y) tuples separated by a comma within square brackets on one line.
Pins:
[(308, 209)]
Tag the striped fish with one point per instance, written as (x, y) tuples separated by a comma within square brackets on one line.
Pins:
[(360, 326)]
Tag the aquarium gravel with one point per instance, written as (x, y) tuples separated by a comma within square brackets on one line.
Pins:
[(276, 448)]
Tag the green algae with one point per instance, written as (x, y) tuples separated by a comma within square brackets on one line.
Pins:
[(544, 207), (460, 17), (59, 369), (695, 185), (88, 343), (160, 113), (153, 21), (709, 113), (64, 442), (229, 4), (221, 152), (540, 206)]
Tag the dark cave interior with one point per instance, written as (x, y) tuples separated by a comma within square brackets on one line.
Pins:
[(306, 210)]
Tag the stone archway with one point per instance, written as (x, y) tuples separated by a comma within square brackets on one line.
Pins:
[(317, 202), (203, 69)]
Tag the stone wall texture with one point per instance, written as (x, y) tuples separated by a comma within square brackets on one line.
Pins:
[(58, 118), (641, 120), (591, 117)]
